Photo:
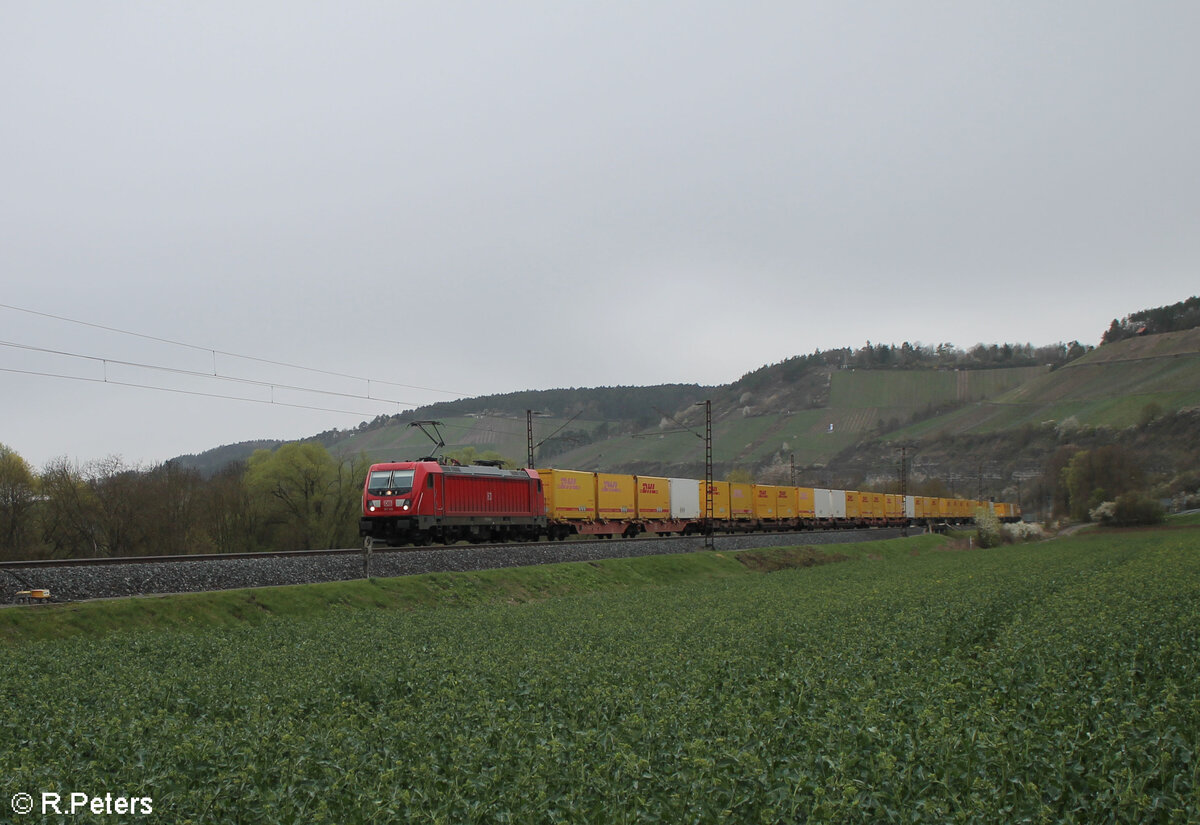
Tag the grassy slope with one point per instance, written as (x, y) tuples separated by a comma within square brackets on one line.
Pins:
[(860, 400), (509, 585), (1108, 387)]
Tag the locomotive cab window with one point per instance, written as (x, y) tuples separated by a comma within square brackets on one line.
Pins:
[(390, 482)]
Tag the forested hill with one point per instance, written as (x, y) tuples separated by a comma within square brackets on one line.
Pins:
[(836, 414), (636, 405), (800, 383)]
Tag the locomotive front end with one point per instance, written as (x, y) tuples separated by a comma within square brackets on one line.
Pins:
[(389, 501)]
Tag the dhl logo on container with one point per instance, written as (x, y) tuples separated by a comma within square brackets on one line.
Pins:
[(649, 487), (763, 494), (612, 487), (568, 483)]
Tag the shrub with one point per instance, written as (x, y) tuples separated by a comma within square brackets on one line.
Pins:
[(1022, 531), (1129, 510), (987, 528)]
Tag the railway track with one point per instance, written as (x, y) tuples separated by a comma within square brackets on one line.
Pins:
[(78, 579)]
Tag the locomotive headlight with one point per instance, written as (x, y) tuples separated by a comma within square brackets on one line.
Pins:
[(370, 508)]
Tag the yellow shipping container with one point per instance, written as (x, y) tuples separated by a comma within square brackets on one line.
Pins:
[(787, 504), (720, 499), (805, 502), (853, 504), (741, 500), (653, 497), (893, 506), (873, 505), (570, 494), (765, 501), (615, 496)]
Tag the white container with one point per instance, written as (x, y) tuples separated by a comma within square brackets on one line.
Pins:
[(910, 507), (829, 503), (685, 498)]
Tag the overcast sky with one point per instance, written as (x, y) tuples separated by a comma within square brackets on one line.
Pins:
[(479, 197)]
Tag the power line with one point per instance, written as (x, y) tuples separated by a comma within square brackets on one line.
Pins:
[(180, 391), (217, 375), (216, 352), (233, 379), (197, 374)]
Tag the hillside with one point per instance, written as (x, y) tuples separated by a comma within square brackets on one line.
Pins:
[(966, 429), (1112, 386)]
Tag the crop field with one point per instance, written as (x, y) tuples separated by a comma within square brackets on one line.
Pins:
[(1048, 683)]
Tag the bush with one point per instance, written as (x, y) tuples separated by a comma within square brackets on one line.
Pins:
[(1022, 531), (1130, 510), (987, 528)]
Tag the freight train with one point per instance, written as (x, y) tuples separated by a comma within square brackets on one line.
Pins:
[(425, 501)]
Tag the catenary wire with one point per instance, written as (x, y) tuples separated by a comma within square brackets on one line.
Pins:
[(233, 379), (247, 381), (197, 374), (182, 391), (224, 352)]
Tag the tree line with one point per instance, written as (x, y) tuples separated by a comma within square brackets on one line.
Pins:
[(298, 497), (1172, 318), (909, 356)]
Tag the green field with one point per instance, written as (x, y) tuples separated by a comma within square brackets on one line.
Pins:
[(1046, 683)]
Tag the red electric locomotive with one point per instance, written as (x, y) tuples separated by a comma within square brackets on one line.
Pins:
[(418, 502)]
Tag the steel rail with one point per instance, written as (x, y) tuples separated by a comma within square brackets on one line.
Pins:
[(100, 561)]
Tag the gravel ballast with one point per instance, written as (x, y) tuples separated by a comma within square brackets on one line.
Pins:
[(76, 582)]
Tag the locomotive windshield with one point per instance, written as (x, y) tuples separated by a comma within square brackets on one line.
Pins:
[(390, 482)]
